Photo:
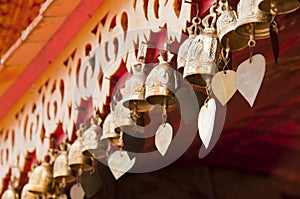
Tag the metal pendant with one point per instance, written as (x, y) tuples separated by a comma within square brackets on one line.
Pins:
[(249, 77), (223, 85), (77, 192), (119, 163), (206, 121), (163, 138)]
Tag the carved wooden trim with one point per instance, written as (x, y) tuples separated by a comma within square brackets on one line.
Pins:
[(71, 77)]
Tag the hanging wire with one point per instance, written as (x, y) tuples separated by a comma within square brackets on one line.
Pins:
[(251, 42)]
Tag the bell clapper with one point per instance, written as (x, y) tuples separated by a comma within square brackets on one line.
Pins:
[(225, 55), (251, 42), (121, 142), (208, 91), (165, 110)]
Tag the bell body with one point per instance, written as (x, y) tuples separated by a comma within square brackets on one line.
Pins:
[(109, 132), (40, 180), (134, 91), (202, 58), (61, 170), (183, 52), (252, 20), (91, 143), (28, 195), (161, 84), (124, 120), (226, 30), (76, 159), (10, 193), (279, 6)]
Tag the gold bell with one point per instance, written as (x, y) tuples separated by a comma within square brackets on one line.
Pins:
[(162, 81), (124, 120), (76, 159), (134, 90), (252, 21), (90, 140), (278, 6), (109, 132), (193, 31), (10, 193), (26, 194), (203, 54), (61, 171), (40, 181), (226, 28)]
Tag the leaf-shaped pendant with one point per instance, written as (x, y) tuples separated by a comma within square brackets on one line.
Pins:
[(223, 85), (119, 163), (206, 121), (249, 77), (163, 138), (77, 191)]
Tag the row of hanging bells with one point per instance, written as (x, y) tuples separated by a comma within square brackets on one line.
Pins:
[(200, 56)]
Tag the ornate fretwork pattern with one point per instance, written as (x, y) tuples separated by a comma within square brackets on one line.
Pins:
[(83, 71)]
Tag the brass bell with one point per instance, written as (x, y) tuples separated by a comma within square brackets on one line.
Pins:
[(162, 81), (10, 193), (90, 140), (252, 21), (109, 132), (193, 31), (203, 55), (123, 119), (134, 90), (26, 194), (276, 7), (76, 159), (40, 181), (61, 171), (226, 28)]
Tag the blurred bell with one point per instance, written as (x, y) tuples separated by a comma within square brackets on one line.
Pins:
[(277, 7), (203, 54), (124, 120), (40, 181), (10, 193), (193, 31), (162, 81), (28, 195), (76, 159), (252, 21), (109, 132), (90, 140), (226, 28), (61, 171), (134, 90)]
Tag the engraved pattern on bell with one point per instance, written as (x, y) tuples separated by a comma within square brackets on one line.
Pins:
[(279, 6), (76, 159), (161, 83), (226, 23), (204, 52), (134, 91), (182, 53), (202, 59), (251, 19), (41, 179)]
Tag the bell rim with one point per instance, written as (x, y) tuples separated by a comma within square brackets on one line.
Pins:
[(264, 7), (262, 34)]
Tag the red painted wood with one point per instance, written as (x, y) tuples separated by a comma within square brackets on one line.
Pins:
[(76, 20)]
